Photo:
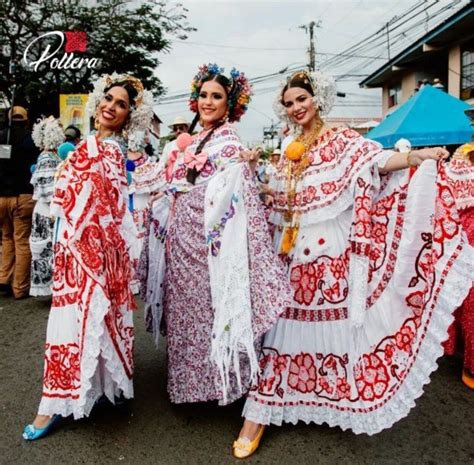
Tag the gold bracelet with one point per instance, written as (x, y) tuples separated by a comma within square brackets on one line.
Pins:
[(409, 165)]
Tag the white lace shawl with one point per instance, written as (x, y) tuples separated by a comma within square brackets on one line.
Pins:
[(225, 221)]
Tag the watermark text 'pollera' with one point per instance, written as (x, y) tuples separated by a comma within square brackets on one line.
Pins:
[(68, 60)]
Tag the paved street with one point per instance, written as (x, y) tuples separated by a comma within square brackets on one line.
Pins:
[(440, 430)]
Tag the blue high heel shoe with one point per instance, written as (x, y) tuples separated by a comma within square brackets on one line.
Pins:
[(32, 433)]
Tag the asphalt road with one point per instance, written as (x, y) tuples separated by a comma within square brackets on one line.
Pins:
[(149, 430)]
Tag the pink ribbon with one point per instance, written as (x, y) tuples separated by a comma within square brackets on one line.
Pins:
[(170, 165), (195, 161)]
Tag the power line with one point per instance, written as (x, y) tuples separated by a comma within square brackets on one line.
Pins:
[(377, 39)]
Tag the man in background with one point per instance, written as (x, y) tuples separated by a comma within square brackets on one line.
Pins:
[(72, 134), (16, 205), (178, 126)]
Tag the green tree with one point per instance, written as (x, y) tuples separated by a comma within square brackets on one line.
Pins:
[(122, 37)]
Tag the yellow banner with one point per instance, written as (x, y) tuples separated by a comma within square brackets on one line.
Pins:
[(72, 110)]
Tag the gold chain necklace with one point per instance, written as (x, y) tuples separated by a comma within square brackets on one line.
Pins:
[(294, 168)]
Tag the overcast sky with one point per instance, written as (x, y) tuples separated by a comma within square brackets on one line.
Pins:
[(262, 36)]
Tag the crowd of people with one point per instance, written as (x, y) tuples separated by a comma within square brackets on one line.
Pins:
[(320, 285)]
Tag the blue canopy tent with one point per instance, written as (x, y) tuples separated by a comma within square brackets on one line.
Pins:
[(430, 117)]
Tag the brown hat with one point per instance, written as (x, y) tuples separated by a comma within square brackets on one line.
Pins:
[(18, 114)]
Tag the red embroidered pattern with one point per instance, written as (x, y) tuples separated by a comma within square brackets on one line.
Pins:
[(62, 370), (327, 314), (324, 280)]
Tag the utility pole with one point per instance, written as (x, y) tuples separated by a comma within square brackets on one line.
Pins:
[(270, 133), (312, 49)]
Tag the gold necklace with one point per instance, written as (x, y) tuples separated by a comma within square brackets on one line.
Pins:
[(296, 164)]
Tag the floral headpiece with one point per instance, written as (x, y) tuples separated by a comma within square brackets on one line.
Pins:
[(141, 109), (324, 90), (48, 133), (239, 91)]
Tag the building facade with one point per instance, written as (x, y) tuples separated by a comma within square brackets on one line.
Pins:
[(443, 57)]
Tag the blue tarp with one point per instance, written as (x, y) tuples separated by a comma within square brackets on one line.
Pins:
[(430, 117)]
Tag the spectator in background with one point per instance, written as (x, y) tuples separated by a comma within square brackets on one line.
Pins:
[(73, 134), (16, 206), (274, 160), (178, 126)]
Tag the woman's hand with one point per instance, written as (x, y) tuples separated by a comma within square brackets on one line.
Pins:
[(417, 157), (251, 156)]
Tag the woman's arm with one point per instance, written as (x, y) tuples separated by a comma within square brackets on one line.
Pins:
[(400, 161)]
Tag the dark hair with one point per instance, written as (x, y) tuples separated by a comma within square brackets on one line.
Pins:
[(300, 80), (74, 129), (131, 91), (222, 80)]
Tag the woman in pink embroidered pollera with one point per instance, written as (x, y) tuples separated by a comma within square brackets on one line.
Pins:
[(208, 265), (377, 262)]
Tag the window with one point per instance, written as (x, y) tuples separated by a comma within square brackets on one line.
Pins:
[(467, 72), (394, 95)]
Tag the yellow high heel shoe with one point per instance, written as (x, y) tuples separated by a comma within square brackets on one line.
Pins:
[(468, 379), (244, 447)]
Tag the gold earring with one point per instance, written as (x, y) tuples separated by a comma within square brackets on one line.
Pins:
[(226, 116)]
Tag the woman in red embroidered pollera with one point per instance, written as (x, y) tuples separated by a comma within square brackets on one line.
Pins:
[(89, 342), (377, 262)]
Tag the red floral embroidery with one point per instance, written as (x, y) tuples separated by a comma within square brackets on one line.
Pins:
[(447, 222), (404, 338), (389, 352), (379, 233), (327, 153), (304, 279), (338, 267), (302, 373), (62, 367), (324, 384), (343, 388), (279, 364), (328, 187), (90, 247), (371, 377), (415, 301)]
